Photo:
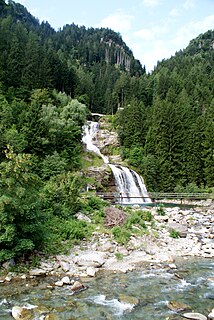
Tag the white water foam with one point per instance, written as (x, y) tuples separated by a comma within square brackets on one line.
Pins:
[(118, 307), (160, 273), (89, 131), (183, 285)]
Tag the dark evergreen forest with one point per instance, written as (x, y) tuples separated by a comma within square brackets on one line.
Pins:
[(50, 81)]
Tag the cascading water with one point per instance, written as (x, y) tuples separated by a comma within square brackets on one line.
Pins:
[(89, 131), (130, 185)]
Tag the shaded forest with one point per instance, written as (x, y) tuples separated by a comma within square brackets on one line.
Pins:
[(50, 82)]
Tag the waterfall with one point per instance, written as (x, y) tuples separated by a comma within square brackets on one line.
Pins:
[(130, 186), (89, 131)]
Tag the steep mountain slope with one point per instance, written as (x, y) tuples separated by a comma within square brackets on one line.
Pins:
[(82, 62)]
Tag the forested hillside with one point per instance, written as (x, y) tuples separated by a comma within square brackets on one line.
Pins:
[(171, 138), (83, 63), (50, 81)]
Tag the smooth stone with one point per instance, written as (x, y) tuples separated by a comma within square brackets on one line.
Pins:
[(211, 315), (178, 306), (90, 260), (59, 284), (19, 313), (37, 272), (129, 299), (64, 265), (82, 217), (8, 278), (181, 228), (51, 316), (91, 271), (195, 316), (77, 286), (66, 280)]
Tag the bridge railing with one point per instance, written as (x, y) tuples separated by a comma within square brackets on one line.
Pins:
[(114, 196), (190, 196)]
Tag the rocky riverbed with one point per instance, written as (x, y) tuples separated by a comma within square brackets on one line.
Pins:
[(157, 247), (194, 228)]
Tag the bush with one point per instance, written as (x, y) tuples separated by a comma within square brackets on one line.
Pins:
[(160, 210), (75, 230), (121, 235), (62, 194), (95, 203), (174, 234)]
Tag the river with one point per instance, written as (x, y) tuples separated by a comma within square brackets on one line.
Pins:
[(141, 294)]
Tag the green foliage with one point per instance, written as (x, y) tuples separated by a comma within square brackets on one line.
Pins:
[(190, 188), (139, 217), (119, 256), (121, 235), (96, 203), (135, 223), (21, 227), (61, 194), (160, 210), (53, 165), (174, 234), (74, 230)]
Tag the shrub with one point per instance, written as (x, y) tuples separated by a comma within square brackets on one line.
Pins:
[(160, 210), (174, 234), (95, 203), (121, 235), (119, 256), (75, 230)]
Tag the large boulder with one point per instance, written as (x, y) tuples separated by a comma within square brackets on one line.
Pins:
[(90, 260), (180, 228)]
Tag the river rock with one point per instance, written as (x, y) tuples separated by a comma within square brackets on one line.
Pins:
[(37, 272), (211, 315), (106, 247), (77, 286), (181, 228), (8, 278), (178, 306), (19, 313), (90, 260), (91, 271), (195, 316), (82, 217), (51, 316), (66, 280), (129, 299), (64, 265), (59, 283)]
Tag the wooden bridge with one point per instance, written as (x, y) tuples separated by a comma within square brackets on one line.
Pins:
[(154, 196)]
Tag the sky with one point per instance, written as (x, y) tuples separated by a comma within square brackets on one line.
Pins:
[(153, 29)]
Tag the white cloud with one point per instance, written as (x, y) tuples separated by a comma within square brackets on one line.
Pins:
[(117, 21), (189, 4), (145, 34), (151, 3), (150, 34), (23, 2), (192, 30), (159, 52), (174, 13)]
